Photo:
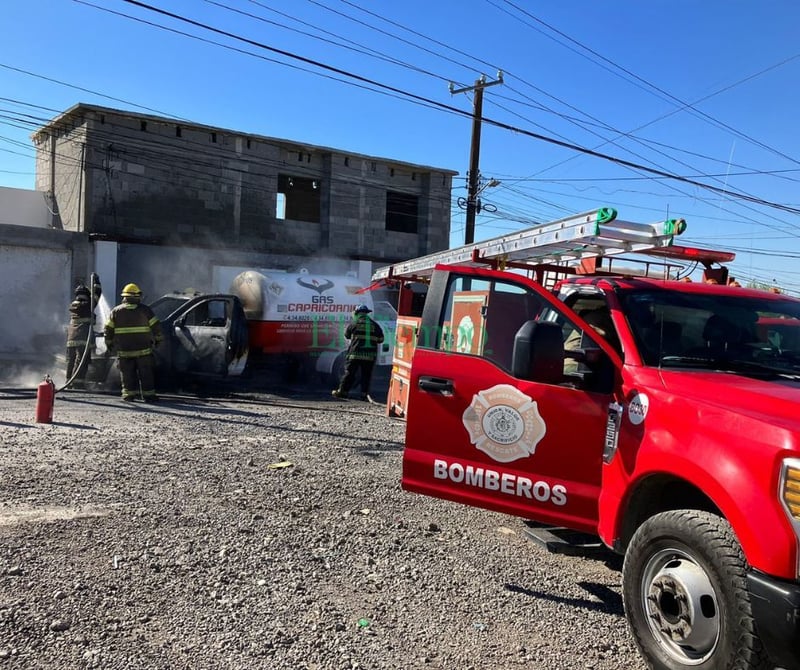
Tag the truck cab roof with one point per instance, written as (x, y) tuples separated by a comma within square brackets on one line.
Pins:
[(633, 283)]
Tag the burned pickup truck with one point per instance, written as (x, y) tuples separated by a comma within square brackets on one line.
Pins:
[(205, 340)]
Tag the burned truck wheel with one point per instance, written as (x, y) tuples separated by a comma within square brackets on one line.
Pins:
[(338, 369), (685, 594)]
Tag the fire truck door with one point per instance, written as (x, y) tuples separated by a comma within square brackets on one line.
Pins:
[(480, 435), (203, 335)]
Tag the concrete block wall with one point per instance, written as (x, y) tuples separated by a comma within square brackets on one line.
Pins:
[(163, 181), (358, 208), (155, 180), (60, 163)]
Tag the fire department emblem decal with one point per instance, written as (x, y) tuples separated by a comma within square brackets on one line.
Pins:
[(504, 423)]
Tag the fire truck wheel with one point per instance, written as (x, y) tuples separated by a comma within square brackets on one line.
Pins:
[(685, 594)]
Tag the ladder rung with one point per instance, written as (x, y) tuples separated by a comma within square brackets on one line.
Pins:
[(591, 234)]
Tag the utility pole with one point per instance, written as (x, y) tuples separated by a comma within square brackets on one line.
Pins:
[(475, 150)]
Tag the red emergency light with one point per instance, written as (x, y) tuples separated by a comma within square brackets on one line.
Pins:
[(704, 256)]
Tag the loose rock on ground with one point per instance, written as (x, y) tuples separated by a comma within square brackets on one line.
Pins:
[(268, 531)]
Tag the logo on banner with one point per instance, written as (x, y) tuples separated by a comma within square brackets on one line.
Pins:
[(320, 286)]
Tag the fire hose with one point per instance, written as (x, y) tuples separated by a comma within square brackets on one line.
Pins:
[(46, 391), (90, 334)]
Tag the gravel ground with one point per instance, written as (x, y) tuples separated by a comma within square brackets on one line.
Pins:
[(268, 531)]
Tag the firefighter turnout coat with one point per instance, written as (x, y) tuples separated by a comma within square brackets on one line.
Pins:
[(132, 330), (80, 321)]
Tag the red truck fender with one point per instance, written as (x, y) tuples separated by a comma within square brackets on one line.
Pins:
[(691, 456)]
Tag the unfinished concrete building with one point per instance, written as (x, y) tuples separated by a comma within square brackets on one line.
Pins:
[(159, 187)]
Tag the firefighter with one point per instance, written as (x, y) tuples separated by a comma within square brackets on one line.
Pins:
[(132, 331), (81, 320), (365, 337), (600, 320)]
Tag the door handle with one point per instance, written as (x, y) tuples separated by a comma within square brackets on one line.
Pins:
[(436, 385)]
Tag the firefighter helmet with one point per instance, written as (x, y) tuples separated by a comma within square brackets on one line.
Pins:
[(362, 309), (131, 291)]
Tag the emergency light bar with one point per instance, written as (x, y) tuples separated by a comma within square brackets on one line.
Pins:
[(704, 256)]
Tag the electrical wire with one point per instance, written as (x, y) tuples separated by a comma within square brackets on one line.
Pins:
[(432, 103), (665, 177), (315, 2), (248, 52), (649, 86)]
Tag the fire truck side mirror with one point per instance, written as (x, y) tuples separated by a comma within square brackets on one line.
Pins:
[(538, 352)]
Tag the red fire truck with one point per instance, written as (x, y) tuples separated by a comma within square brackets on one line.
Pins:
[(657, 414)]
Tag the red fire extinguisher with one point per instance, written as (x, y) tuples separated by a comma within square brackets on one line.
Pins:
[(45, 395)]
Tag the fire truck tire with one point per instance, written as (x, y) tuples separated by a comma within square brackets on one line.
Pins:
[(685, 595)]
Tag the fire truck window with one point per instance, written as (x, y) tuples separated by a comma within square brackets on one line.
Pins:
[(595, 311), (713, 330), (482, 317)]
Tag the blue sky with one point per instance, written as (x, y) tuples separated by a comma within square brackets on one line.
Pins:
[(704, 90)]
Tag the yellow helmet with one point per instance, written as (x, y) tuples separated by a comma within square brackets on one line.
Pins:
[(131, 291)]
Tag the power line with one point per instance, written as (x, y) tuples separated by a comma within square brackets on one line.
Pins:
[(206, 165), (87, 90), (665, 95), (432, 103), (600, 123), (253, 54), (357, 48), (541, 91)]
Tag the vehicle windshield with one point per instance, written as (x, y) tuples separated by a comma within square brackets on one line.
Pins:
[(384, 311), (166, 305), (715, 331)]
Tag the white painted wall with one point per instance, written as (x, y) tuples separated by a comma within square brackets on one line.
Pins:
[(23, 207), (34, 300)]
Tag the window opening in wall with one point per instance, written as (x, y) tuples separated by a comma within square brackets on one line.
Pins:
[(413, 176), (214, 138), (402, 212), (298, 199), (391, 172), (308, 158), (102, 118), (374, 166), (178, 131), (300, 156), (248, 143), (143, 125), (346, 161)]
